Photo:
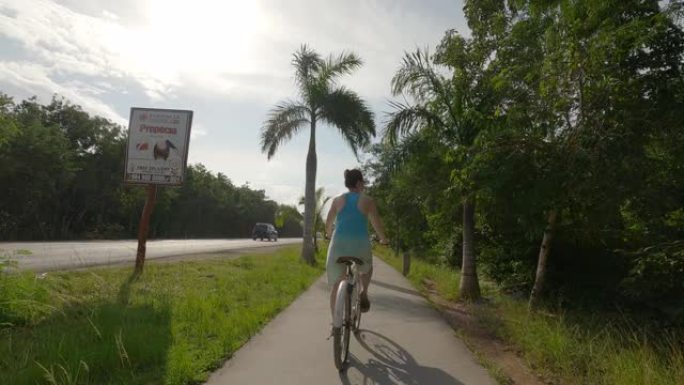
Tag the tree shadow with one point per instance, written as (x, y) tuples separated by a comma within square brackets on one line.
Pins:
[(391, 365), (407, 307), (396, 288), (120, 341)]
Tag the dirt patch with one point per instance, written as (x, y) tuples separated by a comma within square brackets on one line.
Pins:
[(509, 366)]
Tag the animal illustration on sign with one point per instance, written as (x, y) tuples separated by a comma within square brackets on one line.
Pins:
[(162, 149)]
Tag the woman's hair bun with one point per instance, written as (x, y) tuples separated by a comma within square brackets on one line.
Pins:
[(352, 177)]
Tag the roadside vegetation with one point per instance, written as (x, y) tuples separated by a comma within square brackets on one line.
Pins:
[(173, 325), (62, 170), (543, 151), (568, 347)]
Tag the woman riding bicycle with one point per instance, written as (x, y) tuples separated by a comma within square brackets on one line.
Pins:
[(350, 212)]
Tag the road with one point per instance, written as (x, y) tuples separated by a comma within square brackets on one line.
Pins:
[(403, 341), (45, 256)]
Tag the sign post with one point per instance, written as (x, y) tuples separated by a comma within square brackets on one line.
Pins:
[(144, 227), (156, 154)]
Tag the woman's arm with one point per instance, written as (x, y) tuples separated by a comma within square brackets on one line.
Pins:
[(376, 221), (330, 220)]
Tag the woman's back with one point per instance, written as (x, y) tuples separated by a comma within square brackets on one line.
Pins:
[(350, 221)]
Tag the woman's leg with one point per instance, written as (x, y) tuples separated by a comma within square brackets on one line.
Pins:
[(365, 281)]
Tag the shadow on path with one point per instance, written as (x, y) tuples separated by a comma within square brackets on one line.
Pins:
[(396, 288), (391, 364)]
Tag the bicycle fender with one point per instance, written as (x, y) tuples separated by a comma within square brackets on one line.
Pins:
[(338, 315)]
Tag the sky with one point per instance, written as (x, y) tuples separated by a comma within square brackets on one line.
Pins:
[(228, 61)]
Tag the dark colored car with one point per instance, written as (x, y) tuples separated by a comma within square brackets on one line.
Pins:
[(265, 230)]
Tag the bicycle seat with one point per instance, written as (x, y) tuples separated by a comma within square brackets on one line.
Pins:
[(350, 260)]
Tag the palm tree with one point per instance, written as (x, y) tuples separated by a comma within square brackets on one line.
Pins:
[(322, 99), (319, 222), (446, 106)]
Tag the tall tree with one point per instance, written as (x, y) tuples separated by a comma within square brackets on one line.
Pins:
[(599, 79), (321, 99), (457, 109)]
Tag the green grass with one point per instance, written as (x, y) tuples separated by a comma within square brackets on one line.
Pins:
[(576, 348), (588, 349), (445, 279), (173, 325)]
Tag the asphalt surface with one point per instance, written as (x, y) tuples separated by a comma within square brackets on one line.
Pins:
[(403, 341), (46, 256)]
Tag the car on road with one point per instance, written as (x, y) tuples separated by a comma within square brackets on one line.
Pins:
[(265, 231)]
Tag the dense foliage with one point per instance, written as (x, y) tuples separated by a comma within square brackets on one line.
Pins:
[(61, 173), (570, 125)]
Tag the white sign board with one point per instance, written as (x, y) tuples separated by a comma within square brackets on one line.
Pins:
[(157, 149)]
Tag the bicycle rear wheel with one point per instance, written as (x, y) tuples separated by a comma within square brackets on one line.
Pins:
[(341, 334)]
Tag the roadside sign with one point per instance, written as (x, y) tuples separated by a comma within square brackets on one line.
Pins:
[(157, 150)]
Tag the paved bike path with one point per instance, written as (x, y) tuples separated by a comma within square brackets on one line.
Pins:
[(403, 341)]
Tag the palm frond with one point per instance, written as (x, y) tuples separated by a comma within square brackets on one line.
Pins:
[(419, 78), (345, 110), (335, 66), (317, 197), (406, 118), (398, 154), (319, 205), (307, 63), (283, 122)]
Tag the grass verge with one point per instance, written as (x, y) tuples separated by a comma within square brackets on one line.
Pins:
[(173, 325), (570, 348)]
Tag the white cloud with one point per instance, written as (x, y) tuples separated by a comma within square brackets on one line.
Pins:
[(110, 15), (198, 130), (35, 80), (227, 47)]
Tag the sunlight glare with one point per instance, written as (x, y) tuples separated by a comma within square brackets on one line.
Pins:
[(194, 37)]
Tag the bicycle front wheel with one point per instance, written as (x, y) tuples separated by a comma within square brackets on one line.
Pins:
[(341, 334)]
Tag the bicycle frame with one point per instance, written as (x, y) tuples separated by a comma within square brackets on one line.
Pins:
[(345, 287)]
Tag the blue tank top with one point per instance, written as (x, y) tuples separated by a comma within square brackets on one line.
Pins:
[(350, 220)]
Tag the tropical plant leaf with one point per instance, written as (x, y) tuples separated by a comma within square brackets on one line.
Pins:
[(345, 110), (283, 122)]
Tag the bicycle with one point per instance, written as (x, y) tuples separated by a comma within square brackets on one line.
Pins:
[(347, 312)]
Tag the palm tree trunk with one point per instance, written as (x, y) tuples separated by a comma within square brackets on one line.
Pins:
[(544, 250), (470, 286), (309, 198)]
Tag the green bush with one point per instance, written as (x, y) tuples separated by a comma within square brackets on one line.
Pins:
[(23, 299), (514, 273), (655, 279)]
